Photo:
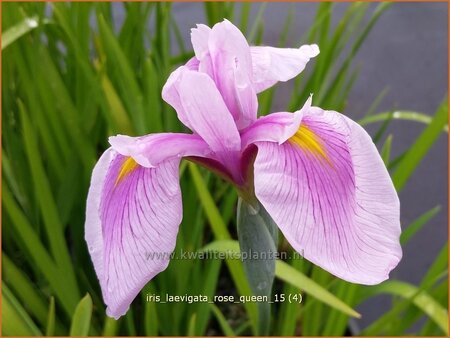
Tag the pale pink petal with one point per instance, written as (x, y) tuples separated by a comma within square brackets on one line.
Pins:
[(231, 68), (132, 220), (199, 39), (150, 150), (271, 64), (246, 100), (171, 95), (275, 127), (207, 113), (331, 195), (192, 64), (201, 108)]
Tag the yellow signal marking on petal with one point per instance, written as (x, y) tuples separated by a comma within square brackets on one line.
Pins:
[(308, 140), (127, 167)]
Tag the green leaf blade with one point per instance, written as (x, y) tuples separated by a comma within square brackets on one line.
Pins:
[(81, 320)]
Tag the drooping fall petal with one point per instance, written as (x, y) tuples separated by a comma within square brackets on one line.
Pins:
[(132, 220), (271, 64), (331, 195)]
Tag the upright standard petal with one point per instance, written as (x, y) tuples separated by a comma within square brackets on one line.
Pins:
[(201, 108), (199, 39), (170, 91), (196, 98), (331, 195), (271, 64), (132, 220)]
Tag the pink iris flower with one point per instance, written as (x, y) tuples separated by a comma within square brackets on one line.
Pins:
[(317, 173)]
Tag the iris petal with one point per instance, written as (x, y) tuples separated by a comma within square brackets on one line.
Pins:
[(150, 150), (271, 64), (224, 54), (131, 226), (275, 127), (207, 112), (341, 214)]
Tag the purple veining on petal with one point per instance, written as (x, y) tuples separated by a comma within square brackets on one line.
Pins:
[(344, 217)]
